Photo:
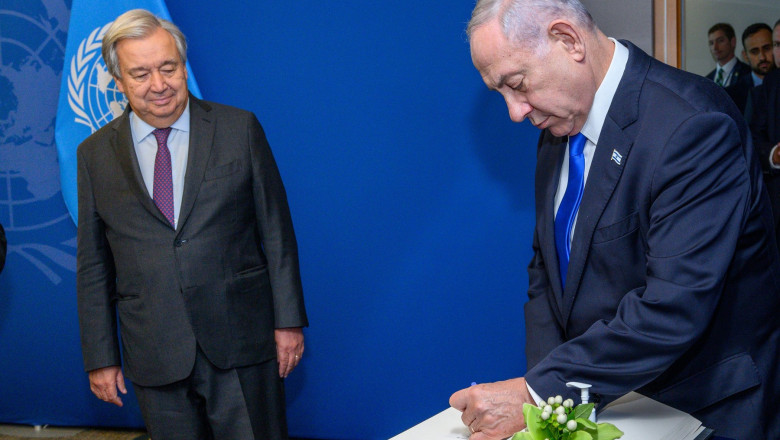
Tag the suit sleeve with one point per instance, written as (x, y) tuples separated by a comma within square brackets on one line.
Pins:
[(95, 280), (276, 229), (698, 201)]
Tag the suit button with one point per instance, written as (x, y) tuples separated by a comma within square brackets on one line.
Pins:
[(179, 243)]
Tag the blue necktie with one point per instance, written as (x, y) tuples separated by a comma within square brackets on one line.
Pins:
[(567, 211)]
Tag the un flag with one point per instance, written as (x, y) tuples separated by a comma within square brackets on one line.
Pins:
[(88, 95)]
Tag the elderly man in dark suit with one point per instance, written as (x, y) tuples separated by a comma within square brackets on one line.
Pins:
[(185, 235), (655, 267)]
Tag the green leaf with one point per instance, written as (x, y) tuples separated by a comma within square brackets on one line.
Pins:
[(607, 431), (532, 414), (583, 410), (523, 436), (580, 435), (586, 423)]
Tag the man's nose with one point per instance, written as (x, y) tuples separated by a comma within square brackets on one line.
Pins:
[(157, 83), (518, 110)]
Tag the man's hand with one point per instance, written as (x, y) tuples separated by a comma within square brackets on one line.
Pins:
[(493, 410), (105, 381), (289, 348), (776, 155)]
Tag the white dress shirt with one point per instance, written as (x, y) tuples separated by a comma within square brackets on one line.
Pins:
[(146, 150), (728, 70), (592, 129), (596, 117)]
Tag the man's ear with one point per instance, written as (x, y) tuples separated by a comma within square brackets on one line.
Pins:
[(119, 85), (564, 32), (744, 57)]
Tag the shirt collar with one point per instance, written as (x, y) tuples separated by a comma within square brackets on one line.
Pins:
[(729, 66), (757, 80), (141, 129), (606, 91)]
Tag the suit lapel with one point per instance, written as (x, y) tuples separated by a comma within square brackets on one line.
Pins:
[(609, 160), (122, 143), (550, 157), (202, 126)]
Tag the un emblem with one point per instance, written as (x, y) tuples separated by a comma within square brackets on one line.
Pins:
[(41, 236), (92, 92)]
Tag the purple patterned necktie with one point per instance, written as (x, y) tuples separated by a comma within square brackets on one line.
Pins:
[(163, 180)]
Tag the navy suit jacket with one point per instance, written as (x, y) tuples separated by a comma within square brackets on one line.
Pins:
[(673, 286), (741, 74)]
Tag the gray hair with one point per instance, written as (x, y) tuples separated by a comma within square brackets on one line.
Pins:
[(525, 21), (137, 23)]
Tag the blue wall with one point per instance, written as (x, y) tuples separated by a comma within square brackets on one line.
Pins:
[(410, 189)]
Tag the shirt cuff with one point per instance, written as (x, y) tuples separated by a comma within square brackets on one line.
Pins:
[(771, 155), (535, 396)]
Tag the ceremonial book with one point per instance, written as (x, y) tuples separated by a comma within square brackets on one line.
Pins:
[(639, 417)]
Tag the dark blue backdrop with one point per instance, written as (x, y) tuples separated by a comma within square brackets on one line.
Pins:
[(411, 193)]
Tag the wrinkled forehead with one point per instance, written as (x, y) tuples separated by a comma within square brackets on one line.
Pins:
[(495, 57)]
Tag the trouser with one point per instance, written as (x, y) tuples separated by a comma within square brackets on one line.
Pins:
[(213, 404)]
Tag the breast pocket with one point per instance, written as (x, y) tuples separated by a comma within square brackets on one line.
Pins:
[(618, 255), (617, 230), (221, 171)]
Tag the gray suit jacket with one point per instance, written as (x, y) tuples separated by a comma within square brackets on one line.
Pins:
[(224, 279)]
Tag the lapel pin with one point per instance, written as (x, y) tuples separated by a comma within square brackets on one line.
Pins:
[(617, 157)]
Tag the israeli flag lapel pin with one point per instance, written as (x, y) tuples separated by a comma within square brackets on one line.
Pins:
[(617, 157)]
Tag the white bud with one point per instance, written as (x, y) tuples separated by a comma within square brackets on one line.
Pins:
[(571, 425), (562, 418), (545, 415), (560, 410), (551, 400), (568, 403), (547, 408), (558, 399)]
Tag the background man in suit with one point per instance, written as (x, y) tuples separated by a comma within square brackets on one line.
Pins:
[(728, 69), (185, 234), (757, 44), (666, 279), (765, 127), (776, 43), (3, 248)]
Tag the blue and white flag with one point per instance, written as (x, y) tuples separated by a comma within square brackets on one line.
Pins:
[(89, 98)]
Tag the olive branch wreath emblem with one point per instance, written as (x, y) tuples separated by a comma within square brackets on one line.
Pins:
[(79, 67)]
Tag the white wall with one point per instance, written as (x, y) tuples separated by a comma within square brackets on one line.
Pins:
[(625, 19)]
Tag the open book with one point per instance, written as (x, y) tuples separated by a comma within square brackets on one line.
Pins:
[(639, 417)]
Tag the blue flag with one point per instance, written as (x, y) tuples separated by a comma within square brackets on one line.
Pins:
[(89, 98)]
